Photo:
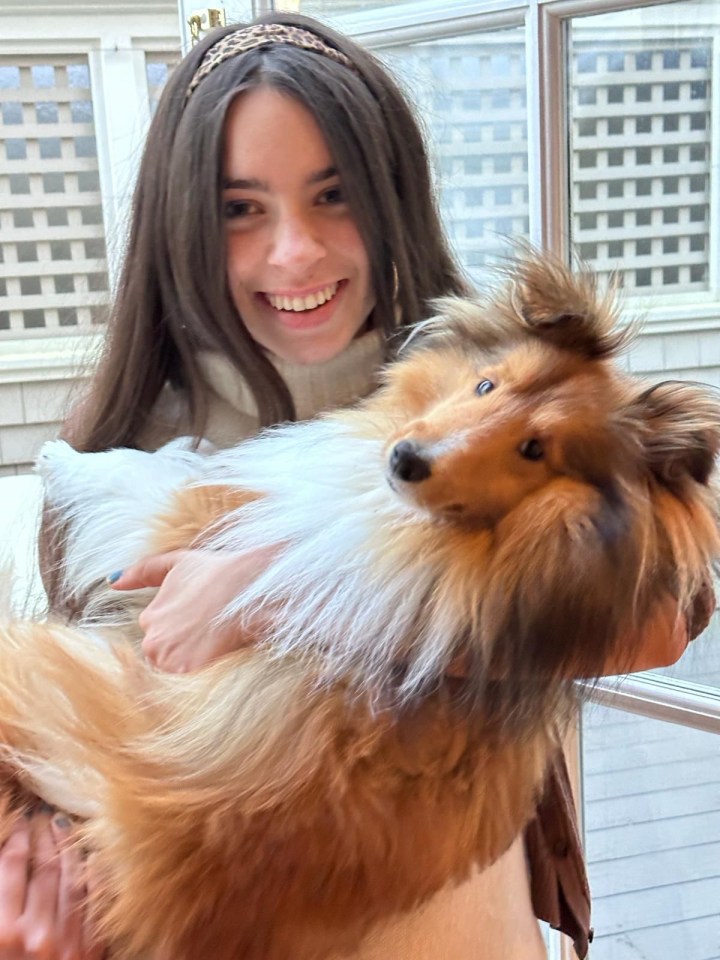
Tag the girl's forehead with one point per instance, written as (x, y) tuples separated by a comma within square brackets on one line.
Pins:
[(269, 135)]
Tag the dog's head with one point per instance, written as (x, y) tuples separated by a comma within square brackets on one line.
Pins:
[(512, 417), (493, 430), (501, 397)]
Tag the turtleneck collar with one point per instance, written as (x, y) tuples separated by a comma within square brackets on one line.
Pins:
[(314, 387)]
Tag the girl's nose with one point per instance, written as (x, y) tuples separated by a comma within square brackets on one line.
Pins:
[(296, 244)]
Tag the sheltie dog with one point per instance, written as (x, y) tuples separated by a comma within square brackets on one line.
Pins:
[(509, 500)]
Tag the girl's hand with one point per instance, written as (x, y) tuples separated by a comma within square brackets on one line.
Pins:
[(664, 636), (43, 893), (195, 587)]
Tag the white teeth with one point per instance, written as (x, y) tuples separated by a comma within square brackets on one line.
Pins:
[(298, 304)]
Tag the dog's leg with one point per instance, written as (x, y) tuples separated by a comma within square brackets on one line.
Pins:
[(195, 514)]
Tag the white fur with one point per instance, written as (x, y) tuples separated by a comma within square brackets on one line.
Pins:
[(107, 501), (337, 587)]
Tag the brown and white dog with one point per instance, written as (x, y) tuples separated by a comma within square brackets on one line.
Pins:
[(509, 498)]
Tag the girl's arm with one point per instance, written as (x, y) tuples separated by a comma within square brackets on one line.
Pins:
[(196, 585)]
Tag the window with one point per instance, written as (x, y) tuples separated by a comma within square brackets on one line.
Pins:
[(471, 95), (48, 215)]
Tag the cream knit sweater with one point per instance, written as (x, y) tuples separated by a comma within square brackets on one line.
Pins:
[(489, 917)]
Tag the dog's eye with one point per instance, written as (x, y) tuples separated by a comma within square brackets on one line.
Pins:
[(485, 386), (531, 450)]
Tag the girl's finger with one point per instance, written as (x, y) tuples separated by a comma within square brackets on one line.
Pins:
[(14, 870), (40, 914), (149, 572), (71, 891), (38, 921)]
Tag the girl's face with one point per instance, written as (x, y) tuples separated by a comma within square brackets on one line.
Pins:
[(298, 270)]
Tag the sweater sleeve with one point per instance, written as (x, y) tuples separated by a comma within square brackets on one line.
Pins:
[(558, 880)]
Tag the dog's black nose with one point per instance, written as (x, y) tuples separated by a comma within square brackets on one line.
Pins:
[(407, 463)]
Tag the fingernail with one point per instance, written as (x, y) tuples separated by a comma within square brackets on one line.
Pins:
[(62, 822), (46, 808), (114, 576)]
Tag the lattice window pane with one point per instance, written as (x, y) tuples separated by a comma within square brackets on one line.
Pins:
[(641, 136), (470, 93), (53, 266)]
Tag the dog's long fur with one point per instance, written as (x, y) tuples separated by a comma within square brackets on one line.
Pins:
[(283, 800)]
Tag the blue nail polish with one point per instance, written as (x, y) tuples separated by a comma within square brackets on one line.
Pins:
[(114, 576)]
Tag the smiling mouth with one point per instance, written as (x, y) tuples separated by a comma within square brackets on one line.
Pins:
[(300, 304)]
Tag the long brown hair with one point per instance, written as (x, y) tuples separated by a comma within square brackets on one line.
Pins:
[(173, 297)]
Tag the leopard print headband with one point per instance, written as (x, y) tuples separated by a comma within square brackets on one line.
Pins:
[(263, 35)]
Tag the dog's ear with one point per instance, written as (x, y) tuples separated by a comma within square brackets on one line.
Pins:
[(566, 308), (563, 588), (680, 430)]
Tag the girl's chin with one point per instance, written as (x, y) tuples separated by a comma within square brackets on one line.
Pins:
[(311, 353)]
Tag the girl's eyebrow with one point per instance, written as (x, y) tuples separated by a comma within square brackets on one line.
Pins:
[(254, 184)]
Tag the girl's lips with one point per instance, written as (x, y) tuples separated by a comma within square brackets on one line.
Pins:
[(306, 319)]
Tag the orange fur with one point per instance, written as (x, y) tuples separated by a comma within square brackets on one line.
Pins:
[(194, 516), (250, 811)]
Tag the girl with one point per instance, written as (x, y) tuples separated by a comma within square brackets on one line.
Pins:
[(283, 228)]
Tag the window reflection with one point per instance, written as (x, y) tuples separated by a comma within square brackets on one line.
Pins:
[(470, 95), (641, 102)]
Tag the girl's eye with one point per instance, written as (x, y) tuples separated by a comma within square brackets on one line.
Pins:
[(234, 209), (531, 450), (332, 195), (485, 386)]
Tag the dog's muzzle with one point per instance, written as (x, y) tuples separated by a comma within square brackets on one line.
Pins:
[(408, 463)]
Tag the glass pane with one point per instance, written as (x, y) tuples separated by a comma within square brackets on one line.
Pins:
[(470, 95), (652, 830), (236, 11), (334, 8), (49, 154), (641, 102)]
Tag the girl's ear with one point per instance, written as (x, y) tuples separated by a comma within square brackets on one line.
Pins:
[(563, 586), (680, 431)]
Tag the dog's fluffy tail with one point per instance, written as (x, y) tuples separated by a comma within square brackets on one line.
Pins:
[(157, 763), (78, 714), (40, 717)]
